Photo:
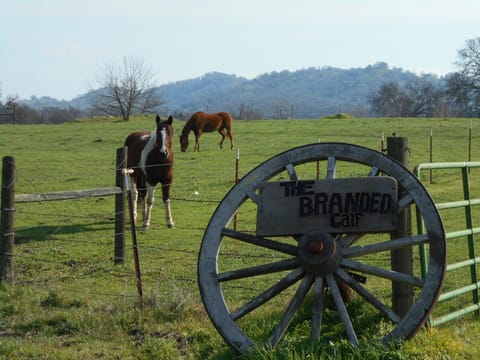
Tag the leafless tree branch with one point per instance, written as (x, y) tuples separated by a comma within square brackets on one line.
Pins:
[(126, 90)]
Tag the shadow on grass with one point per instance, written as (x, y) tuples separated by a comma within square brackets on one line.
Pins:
[(53, 232)]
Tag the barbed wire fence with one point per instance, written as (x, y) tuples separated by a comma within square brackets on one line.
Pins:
[(49, 237), (69, 245)]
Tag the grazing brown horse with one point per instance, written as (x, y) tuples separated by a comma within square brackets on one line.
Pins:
[(150, 156), (201, 122)]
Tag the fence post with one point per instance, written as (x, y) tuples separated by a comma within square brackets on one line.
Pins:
[(7, 218), (470, 131), (431, 154), (119, 250), (401, 259), (237, 161)]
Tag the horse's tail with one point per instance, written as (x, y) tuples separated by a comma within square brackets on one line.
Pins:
[(228, 119)]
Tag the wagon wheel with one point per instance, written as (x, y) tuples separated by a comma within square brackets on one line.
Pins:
[(259, 289)]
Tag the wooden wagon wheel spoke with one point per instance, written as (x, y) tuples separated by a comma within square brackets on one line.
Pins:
[(252, 195), (273, 267), (284, 283), (342, 310), (347, 240), (405, 202), (374, 171), (292, 174), (384, 273), (359, 250), (291, 309), (260, 241), (355, 285), (331, 167), (327, 249), (317, 307)]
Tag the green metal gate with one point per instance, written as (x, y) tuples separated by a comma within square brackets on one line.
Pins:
[(459, 235)]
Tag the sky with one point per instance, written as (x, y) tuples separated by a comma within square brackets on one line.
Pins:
[(58, 48)]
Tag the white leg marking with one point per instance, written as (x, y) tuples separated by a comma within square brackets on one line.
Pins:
[(148, 206), (168, 213)]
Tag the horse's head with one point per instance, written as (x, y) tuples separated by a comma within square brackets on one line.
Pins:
[(183, 142), (164, 134)]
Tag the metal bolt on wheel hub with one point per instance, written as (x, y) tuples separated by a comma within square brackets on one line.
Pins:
[(318, 253)]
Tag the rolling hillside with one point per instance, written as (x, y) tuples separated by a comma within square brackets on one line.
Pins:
[(305, 93)]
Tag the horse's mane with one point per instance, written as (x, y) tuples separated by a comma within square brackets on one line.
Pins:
[(188, 125)]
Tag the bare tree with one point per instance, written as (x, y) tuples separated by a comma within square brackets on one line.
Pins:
[(126, 90), (283, 109), (464, 86), (459, 96), (389, 100), (468, 59), (425, 98), (9, 110), (418, 98), (248, 112)]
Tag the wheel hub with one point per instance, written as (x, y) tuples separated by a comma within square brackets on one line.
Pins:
[(318, 253)]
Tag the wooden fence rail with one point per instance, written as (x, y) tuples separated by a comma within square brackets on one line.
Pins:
[(9, 199), (67, 195)]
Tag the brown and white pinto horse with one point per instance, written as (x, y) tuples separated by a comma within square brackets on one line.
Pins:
[(201, 122), (150, 156)]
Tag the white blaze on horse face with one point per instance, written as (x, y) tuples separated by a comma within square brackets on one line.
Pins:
[(163, 149), (146, 150)]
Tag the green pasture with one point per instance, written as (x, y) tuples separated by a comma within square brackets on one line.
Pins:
[(69, 301)]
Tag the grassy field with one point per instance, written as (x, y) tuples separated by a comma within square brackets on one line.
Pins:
[(69, 301)]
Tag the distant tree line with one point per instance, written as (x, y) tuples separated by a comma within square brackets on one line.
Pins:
[(123, 91), (375, 90), (459, 97), (15, 112)]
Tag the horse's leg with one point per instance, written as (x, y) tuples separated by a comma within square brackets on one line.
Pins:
[(198, 134), (230, 135), (197, 140), (148, 205), (166, 205), (168, 214), (222, 133)]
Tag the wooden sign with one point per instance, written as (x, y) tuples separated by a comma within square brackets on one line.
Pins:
[(351, 205)]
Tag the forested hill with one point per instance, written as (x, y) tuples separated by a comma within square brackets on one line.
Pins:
[(307, 93)]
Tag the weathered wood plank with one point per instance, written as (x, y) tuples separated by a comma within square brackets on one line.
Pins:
[(66, 195)]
